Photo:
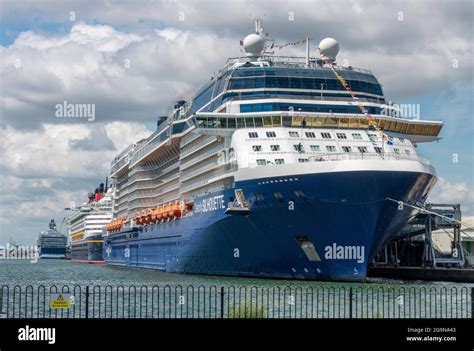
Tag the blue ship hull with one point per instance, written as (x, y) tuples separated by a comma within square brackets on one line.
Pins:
[(344, 216), (52, 252)]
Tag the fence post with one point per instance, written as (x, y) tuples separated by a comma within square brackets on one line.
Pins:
[(350, 302), (472, 303), (87, 301), (222, 302)]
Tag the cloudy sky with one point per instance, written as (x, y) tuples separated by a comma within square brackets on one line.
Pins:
[(132, 59)]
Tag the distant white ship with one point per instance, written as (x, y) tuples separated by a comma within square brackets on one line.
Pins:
[(85, 226), (51, 243)]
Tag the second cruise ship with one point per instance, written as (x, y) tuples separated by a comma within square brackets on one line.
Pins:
[(85, 226)]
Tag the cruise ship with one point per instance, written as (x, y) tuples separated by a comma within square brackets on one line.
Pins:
[(51, 243), (283, 167), (85, 226)]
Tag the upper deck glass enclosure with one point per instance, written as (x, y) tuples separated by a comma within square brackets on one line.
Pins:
[(284, 81)]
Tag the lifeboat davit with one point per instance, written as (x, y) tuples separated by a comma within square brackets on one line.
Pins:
[(144, 217)]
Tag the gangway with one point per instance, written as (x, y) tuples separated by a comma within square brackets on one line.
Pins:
[(431, 218)]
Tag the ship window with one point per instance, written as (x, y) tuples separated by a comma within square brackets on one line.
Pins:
[(341, 135), (397, 151), (279, 161), (261, 162), (402, 140), (299, 193), (298, 147), (310, 135), (249, 122), (372, 137), (326, 135), (294, 134), (231, 123), (276, 121), (257, 148), (267, 121), (275, 147), (259, 197), (362, 149), (331, 148), (315, 148), (271, 135), (223, 122), (357, 136), (408, 152), (303, 160), (346, 149), (378, 149), (278, 195), (253, 135)]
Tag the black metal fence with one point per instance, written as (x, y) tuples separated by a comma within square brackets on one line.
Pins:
[(237, 302)]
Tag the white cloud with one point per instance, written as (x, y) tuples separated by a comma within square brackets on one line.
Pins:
[(49, 152), (101, 38), (42, 172), (123, 134), (127, 76), (446, 192)]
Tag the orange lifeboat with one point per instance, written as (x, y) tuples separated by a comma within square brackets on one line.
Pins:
[(120, 224), (159, 213), (178, 211), (175, 211), (171, 211), (138, 219), (115, 225), (153, 215), (165, 211)]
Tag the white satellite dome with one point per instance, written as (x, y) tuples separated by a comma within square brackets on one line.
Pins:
[(329, 48), (254, 44)]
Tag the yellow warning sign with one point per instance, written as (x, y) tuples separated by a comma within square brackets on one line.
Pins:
[(60, 301)]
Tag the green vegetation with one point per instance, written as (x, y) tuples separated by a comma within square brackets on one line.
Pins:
[(247, 309)]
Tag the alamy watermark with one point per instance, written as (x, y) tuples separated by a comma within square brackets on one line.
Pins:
[(401, 110), (19, 252), (70, 110), (340, 252)]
